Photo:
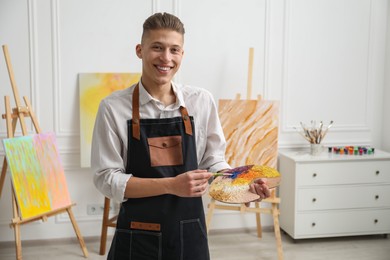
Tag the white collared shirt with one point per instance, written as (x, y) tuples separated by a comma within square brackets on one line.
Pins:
[(110, 135)]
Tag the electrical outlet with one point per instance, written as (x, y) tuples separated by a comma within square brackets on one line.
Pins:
[(98, 209)]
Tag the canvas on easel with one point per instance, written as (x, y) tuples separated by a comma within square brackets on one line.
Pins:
[(41, 204), (37, 174), (251, 130)]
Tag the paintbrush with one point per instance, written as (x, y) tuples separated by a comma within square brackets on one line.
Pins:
[(303, 135), (319, 137), (314, 134), (216, 174), (326, 130)]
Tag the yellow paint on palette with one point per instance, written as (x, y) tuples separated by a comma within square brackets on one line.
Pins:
[(37, 174), (93, 88)]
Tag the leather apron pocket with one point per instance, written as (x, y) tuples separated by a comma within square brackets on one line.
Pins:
[(193, 239), (165, 151), (136, 245)]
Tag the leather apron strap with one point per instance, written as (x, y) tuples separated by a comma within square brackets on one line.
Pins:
[(135, 120), (186, 120)]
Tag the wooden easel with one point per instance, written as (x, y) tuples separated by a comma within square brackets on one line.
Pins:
[(12, 116), (107, 222), (273, 199)]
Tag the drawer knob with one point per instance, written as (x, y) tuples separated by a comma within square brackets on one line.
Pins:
[(314, 199), (376, 221), (377, 172), (314, 175), (313, 224), (376, 197)]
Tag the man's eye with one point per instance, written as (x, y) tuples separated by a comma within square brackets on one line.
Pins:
[(175, 50), (157, 48)]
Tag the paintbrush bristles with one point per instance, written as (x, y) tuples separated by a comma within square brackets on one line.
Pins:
[(315, 134)]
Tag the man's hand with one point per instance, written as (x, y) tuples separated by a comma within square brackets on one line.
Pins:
[(259, 187), (191, 184)]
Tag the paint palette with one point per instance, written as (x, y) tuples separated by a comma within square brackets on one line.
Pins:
[(235, 187)]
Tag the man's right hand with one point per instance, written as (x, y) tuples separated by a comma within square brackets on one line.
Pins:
[(191, 184)]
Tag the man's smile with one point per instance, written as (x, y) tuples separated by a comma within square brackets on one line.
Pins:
[(163, 68)]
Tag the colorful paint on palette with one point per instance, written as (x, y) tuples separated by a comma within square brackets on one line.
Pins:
[(234, 188), (37, 174), (246, 174)]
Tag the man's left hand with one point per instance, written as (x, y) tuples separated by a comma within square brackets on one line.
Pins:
[(259, 187)]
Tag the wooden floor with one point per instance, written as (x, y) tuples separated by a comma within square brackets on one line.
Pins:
[(227, 245)]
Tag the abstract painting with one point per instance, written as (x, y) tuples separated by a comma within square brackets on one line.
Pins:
[(251, 130), (93, 88), (37, 174)]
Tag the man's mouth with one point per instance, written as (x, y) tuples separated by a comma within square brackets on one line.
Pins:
[(163, 68)]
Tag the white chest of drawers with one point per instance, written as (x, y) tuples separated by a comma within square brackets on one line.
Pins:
[(331, 195)]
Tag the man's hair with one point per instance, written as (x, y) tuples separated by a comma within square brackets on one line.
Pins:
[(163, 21)]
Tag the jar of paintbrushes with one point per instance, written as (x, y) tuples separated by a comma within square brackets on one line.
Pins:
[(315, 133)]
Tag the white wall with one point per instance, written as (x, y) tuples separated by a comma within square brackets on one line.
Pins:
[(323, 59), (386, 94)]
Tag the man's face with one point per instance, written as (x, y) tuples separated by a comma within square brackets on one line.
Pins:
[(161, 52)]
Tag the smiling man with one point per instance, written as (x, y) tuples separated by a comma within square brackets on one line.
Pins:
[(154, 147)]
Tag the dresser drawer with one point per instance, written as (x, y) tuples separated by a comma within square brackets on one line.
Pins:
[(339, 223), (343, 197), (347, 172)]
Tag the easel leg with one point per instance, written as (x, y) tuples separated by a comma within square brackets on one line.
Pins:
[(258, 221), (103, 238), (18, 242), (78, 234), (275, 214), (3, 173), (210, 214), (16, 226), (11, 126)]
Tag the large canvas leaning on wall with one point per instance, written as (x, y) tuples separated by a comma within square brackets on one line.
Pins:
[(93, 88), (37, 174)]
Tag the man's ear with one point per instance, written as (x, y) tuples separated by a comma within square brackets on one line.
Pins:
[(138, 49)]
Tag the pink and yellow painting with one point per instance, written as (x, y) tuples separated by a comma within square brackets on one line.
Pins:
[(37, 174), (93, 88)]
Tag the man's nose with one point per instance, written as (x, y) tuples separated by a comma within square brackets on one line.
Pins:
[(166, 55)]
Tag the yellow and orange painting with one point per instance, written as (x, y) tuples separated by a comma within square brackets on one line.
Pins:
[(93, 88), (251, 130), (37, 174)]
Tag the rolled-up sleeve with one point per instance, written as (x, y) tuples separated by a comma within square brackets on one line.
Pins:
[(107, 160), (213, 157)]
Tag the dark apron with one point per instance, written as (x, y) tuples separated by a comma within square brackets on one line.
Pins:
[(163, 227)]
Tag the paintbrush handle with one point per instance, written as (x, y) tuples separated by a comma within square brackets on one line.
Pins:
[(222, 174)]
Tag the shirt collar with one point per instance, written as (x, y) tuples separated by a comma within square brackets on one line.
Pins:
[(145, 97)]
